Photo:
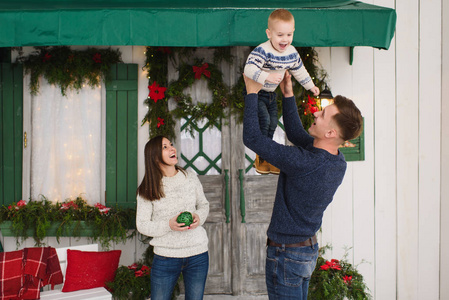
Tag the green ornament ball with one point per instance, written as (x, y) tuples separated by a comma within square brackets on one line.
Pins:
[(186, 218)]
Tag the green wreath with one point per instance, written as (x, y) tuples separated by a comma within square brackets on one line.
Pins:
[(214, 111), (159, 117)]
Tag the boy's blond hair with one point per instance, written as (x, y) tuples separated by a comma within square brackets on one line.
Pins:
[(280, 15)]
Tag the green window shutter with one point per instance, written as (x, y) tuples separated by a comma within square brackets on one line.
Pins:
[(11, 130), (357, 152), (121, 136)]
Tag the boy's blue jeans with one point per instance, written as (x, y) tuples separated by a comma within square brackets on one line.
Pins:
[(288, 271), (165, 272), (268, 113)]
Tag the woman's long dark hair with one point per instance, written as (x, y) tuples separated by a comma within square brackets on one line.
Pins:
[(151, 186)]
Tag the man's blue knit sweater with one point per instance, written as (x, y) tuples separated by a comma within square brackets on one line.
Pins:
[(308, 179)]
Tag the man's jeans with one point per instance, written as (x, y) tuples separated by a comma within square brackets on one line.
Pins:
[(288, 271), (268, 113), (165, 272)]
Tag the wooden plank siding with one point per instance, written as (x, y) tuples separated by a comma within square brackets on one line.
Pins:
[(444, 225), (429, 145), (385, 210)]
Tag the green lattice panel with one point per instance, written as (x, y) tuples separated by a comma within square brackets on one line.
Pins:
[(212, 162)]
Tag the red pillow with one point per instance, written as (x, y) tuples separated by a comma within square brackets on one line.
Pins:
[(86, 270)]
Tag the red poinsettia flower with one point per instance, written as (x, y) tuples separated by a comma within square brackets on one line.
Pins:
[(67, 205), (138, 273), (21, 203), (333, 264), (46, 57), (145, 270), (156, 92), (133, 266), (97, 58), (347, 279), (311, 106), (160, 122), (103, 209), (201, 70), (17, 206)]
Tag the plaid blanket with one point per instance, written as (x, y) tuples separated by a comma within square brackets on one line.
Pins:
[(11, 278), (24, 272)]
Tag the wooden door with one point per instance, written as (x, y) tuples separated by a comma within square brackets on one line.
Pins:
[(252, 204), (240, 200)]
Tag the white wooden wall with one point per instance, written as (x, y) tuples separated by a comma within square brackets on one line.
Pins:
[(444, 249), (390, 207), (392, 210)]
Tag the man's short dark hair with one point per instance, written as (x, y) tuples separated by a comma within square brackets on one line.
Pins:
[(348, 119)]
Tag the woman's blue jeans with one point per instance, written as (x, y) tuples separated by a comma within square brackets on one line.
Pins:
[(165, 272), (268, 113), (288, 271)]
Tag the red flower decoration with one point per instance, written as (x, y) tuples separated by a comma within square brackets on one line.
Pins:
[(46, 57), (145, 270), (67, 205), (333, 264), (97, 58), (201, 70), (160, 122), (156, 92), (21, 203), (347, 279), (103, 209), (133, 266), (138, 273), (18, 205), (311, 106)]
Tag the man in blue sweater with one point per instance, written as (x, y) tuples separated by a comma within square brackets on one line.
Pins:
[(310, 172)]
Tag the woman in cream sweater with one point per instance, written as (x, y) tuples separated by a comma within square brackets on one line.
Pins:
[(166, 191)]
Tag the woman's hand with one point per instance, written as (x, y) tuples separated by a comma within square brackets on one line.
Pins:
[(175, 226), (196, 221)]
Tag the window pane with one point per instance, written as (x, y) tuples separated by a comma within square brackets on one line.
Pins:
[(66, 138)]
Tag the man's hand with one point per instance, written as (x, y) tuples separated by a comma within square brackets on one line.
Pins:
[(286, 85), (252, 87)]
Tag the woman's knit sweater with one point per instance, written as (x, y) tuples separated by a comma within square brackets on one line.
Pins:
[(183, 192)]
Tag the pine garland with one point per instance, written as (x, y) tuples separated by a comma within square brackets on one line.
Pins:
[(68, 68), (160, 119)]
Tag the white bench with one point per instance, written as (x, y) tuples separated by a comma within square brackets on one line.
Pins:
[(99, 293)]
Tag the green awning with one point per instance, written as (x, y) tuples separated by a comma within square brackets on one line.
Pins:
[(196, 23)]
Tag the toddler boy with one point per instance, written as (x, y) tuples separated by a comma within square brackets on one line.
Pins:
[(266, 64)]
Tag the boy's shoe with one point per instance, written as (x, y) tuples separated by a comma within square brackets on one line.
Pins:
[(261, 165), (274, 170)]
